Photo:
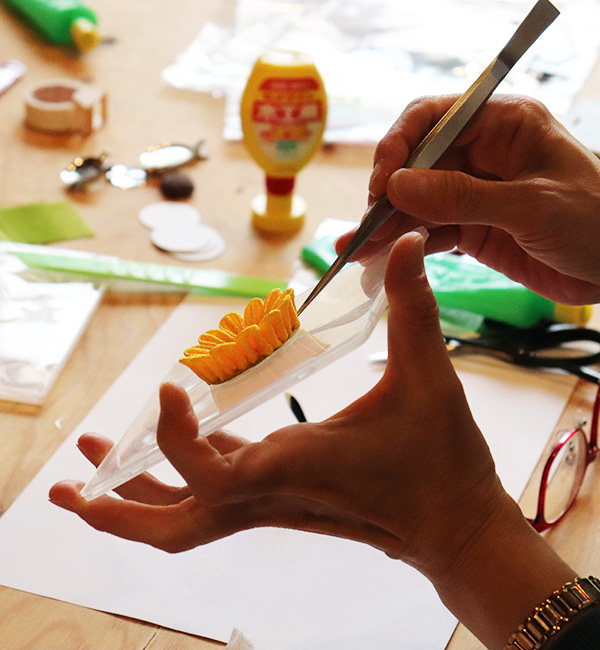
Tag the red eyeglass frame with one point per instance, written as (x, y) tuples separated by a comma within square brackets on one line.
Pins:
[(539, 521)]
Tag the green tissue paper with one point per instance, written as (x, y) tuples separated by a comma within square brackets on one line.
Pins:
[(41, 223)]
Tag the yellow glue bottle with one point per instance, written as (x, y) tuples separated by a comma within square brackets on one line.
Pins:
[(283, 111)]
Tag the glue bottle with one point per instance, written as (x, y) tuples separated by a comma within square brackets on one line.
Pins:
[(283, 112), (461, 282), (61, 22)]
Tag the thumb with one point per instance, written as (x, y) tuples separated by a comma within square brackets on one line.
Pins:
[(453, 197), (416, 347)]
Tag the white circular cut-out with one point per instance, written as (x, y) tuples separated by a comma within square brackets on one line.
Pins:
[(213, 247), (181, 237), (164, 214)]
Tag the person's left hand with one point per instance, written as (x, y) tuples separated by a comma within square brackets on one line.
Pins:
[(404, 469), (393, 469)]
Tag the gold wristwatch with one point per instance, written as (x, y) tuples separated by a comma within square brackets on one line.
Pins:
[(549, 617)]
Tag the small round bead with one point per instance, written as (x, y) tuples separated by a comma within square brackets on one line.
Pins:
[(176, 186)]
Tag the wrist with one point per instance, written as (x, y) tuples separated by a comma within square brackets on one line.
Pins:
[(500, 575)]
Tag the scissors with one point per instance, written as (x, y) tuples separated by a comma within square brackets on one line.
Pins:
[(447, 130), (551, 346), (554, 346)]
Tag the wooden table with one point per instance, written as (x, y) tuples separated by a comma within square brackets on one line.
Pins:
[(141, 40)]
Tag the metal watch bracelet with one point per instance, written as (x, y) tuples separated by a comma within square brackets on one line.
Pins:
[(554, 613)]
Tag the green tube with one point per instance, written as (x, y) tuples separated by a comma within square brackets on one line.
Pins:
[(61, 22), (461, 282)]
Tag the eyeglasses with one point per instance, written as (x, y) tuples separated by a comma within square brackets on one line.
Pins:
[(563, 474)]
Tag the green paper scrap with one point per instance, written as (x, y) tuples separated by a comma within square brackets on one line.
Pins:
[(198, 281), (41, 223)]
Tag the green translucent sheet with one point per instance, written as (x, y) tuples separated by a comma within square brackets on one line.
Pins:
[(106, 267)]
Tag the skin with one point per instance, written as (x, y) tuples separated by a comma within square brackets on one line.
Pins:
[(395, 468), (516, 191)]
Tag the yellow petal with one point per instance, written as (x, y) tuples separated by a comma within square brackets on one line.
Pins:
[(271, 299), (246, 339), (207, 346), (273, 327), (195, 350), (232, 322), (254, 312), (205, 367), (292, 313), (255, 337), (216, 336), (287, 311), (231, 358), (282, 297)]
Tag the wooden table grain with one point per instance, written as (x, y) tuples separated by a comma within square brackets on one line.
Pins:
[(140, 40)]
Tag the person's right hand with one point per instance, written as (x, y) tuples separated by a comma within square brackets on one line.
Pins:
[(515, 190)]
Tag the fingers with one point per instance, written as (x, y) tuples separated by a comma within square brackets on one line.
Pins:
[(144, 488), (452, 197), (222, 469), (416, 346), (496, 146), (186, 525), (204, 463), (168, 527), (225, 443), (409, 129)]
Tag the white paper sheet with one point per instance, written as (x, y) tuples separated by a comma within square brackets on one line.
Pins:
[(285, 590)]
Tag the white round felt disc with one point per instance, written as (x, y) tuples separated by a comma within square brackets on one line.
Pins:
[(182, 237), (213, 247), (166, 213)]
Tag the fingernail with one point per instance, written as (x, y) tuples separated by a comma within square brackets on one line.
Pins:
[(57, 501), (408, 180), (423, 232), (415, 264)]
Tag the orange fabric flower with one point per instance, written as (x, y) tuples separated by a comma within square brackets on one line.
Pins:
[(242, 341)]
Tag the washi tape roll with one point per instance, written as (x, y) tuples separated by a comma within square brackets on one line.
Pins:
[(64, 106)]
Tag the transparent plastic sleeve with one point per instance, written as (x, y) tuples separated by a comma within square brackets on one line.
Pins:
[(337, 321)]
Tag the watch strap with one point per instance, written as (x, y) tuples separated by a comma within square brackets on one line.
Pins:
[(554, 613)]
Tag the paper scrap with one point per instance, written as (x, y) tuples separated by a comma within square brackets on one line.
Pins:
[(41, 223), (238, 641)]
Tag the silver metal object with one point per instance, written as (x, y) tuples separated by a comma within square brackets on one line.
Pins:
[(125, 177), (154, 161), (82, 171), (447, 129), (170, 156)]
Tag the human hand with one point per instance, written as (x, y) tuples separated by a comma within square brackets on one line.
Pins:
[(515, 190), (305, 476), (404, 469)]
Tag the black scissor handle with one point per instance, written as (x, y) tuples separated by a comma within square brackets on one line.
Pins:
[(553, 337)]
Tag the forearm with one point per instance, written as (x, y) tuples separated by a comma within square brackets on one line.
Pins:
[(496, 583)]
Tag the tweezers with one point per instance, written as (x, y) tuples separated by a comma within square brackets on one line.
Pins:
[(447, 130)]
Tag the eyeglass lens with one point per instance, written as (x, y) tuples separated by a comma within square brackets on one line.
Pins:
[(565, 476)]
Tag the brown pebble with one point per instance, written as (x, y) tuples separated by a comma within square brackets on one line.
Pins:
[(176, 186)]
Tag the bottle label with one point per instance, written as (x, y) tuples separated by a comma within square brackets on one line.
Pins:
[(288, 117)]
